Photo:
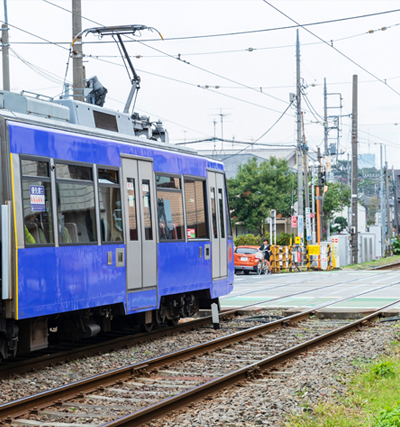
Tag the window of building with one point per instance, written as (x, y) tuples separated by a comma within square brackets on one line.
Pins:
[(111, 227), (195, 209), (76, 212), (170, 208), (37, 207)]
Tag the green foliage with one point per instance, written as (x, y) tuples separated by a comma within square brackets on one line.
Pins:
[(383, 370), (249, 240), (396, 245), (335, 199), (339, 224), (258, 188), (389, 417), (284, 239)]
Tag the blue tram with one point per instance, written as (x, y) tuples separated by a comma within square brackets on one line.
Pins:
[(103, 222)]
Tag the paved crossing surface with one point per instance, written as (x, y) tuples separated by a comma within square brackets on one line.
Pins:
[(314, 288)]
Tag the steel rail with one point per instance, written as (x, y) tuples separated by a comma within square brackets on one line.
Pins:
[(8, 369), (167, 405), (47, 398)]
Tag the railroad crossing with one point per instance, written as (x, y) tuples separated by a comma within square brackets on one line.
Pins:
[(298, 291)]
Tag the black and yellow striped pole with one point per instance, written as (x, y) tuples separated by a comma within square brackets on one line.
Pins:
[(329, 267), (308, 259), (290, 258)]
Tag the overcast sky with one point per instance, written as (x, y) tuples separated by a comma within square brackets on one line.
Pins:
[(254, 72)]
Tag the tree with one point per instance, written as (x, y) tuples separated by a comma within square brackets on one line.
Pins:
[(340, 224), (258, 188), (335, 199)]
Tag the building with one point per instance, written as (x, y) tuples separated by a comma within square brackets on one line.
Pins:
[(233, 158)]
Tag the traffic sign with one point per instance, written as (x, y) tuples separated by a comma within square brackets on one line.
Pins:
[(297, 240), (313, 249)]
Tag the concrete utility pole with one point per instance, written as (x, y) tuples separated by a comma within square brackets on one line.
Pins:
[(395, 195), (300, 223), (326, 128), (354, 170), (77, 53), (383, 216), (388, 219), (5, 46)]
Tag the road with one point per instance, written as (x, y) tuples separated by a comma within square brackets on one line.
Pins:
[(315, 288)]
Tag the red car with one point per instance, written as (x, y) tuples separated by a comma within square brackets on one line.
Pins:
[(245, 259)]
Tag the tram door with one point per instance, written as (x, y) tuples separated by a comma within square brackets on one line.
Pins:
[(140, 231), (217, 215)]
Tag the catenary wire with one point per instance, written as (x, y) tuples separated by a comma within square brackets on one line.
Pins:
[(238, 33), (337, 50)]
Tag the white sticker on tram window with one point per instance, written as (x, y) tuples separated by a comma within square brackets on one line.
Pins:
[(219, 195), (146, 202), (131, 200), (145, 187), (37, 198), (130, 186)]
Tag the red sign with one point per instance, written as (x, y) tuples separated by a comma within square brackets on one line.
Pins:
[(299, 256), (312, 215), (294, 221)]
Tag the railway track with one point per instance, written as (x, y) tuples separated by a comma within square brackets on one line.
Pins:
[(136, 394), (35, 363), (393, 266)]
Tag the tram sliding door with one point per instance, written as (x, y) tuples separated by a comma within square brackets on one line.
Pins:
[(140, 231), (217, 207)]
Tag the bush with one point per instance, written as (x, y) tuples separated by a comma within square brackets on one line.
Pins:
[(284, 239), (396, 245), (249, 239), (389, 417)]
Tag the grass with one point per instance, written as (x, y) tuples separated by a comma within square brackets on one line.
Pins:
[(371, 264), (372, 400)]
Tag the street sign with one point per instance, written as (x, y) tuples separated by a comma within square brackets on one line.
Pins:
[(294, 221), (308, 223), (300, 226), (313, 249), (297, 240)]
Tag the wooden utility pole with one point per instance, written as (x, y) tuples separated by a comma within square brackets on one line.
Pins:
[(354, 170), (77, 53)]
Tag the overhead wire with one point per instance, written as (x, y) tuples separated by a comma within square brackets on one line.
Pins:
[(239, 33), (252, 143), (332, 47)]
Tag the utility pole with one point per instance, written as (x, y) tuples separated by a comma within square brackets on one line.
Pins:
[(319, 208), (383, 215), (395, 195), (5, 46), (326, 128), (300, 223), (388, 220), (306, 189), (77, 53), (354, 180)]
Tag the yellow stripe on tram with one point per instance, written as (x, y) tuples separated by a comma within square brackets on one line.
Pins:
[(16, 240)]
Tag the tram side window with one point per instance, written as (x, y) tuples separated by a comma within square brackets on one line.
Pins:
[(75, 204), (37, 207), (170, 208), (195, 209), (110, 206)]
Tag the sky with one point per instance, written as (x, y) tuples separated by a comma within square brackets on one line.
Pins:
[(244, 70)]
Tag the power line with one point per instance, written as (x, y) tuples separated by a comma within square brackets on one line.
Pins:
[(337, 50), (238, 33), (251, 144)]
